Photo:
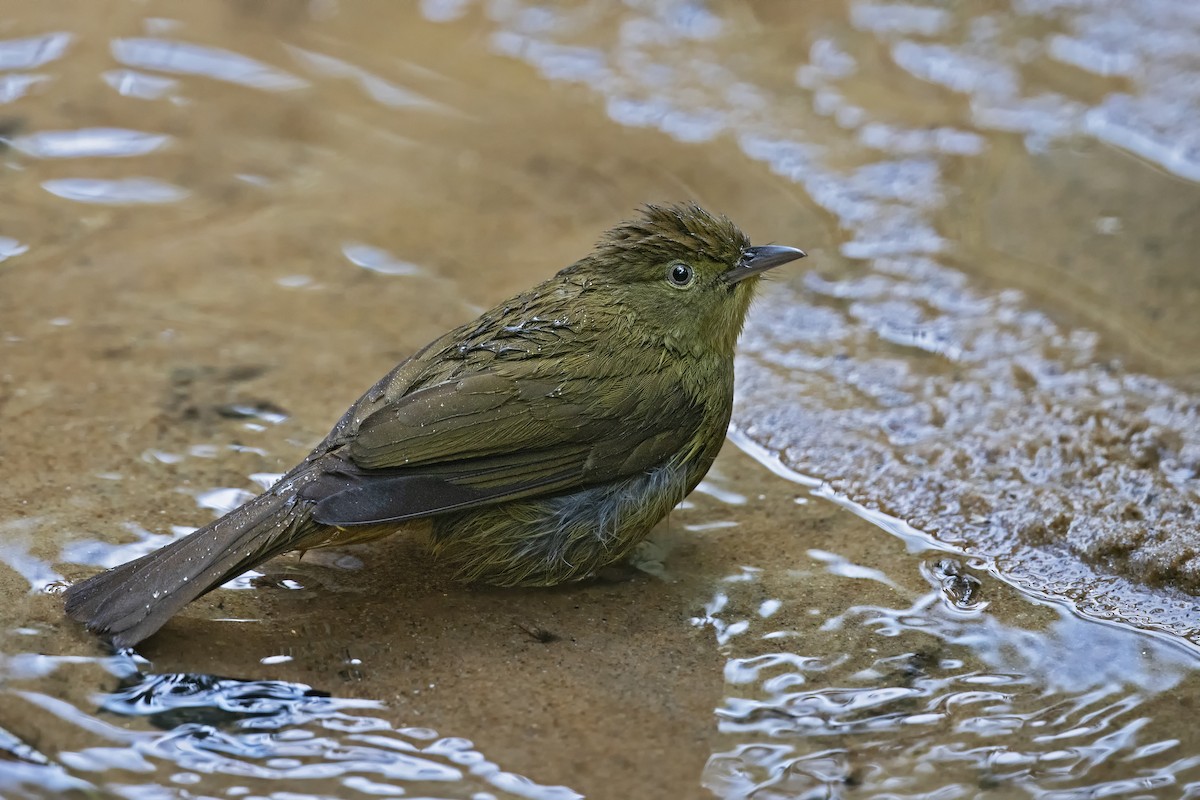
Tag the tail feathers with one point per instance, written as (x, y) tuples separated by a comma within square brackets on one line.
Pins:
[(132, 601)]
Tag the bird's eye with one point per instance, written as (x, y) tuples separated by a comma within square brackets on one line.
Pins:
[(680, 275)]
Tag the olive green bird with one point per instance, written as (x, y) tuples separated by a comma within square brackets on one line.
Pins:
[(542, 441)]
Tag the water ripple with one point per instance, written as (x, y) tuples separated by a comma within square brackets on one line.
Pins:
[(34, 51), (89, 142), (378, 89), (183, 58), (116, 191), (262, 732), (10, 248), (916, 700), (378, 260), (142, 85)]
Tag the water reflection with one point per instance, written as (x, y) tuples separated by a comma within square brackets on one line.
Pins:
[(10, 247), (263, 734), (926, 698), (184, 58), (88, 142), (116, 191), (15, 86), (34, 51), (142, 85), (377, 260), (378, 89)]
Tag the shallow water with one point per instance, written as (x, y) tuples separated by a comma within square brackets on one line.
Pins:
[(960, 559)]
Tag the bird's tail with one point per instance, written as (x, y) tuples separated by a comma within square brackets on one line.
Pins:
[(130, 602)]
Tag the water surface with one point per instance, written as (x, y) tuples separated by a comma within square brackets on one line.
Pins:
[(960, 559)]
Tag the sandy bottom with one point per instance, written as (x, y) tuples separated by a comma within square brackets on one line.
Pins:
[(223, 223)]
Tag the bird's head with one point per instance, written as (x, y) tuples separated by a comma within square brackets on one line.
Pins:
[(680, 273)]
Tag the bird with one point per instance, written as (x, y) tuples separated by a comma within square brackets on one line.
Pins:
[(537, 444)]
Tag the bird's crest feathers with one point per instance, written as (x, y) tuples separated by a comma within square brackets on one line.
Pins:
[(676, 231)]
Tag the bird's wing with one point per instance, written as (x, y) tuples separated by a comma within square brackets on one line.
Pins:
[(492, 437)]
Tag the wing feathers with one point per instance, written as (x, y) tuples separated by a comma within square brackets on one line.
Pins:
[(492, 437)]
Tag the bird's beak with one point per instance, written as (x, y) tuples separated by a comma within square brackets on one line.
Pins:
[(756, 260)]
